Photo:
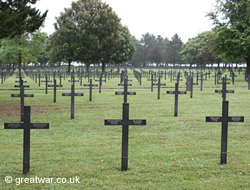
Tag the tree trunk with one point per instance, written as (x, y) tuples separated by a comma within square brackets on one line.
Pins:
[(103, 67), (69, 64), (87, 67), (248, 65), (19, 62)]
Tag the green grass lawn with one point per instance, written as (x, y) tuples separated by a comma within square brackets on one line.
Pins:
[(168, 153)]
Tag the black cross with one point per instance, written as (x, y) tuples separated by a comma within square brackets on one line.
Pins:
[(72, 94), (224, 132), (100, 83), (125, 122), (73, 78), (176, 93), (224, 90), (152, 82), (125, 92), (201, 79), (190, 85), (54, 89), (90, 88), (178, 77), (22, 96), (46, 83), (159, 87), (26, 126)]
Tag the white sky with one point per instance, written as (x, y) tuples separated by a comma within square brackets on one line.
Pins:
[(158, 17)]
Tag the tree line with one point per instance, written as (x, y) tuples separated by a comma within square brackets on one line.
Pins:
[(90, 32)]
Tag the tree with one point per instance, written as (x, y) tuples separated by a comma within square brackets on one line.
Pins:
[(230, 39), (26, 47), (64, 41), (126, 49), (17, 17), (94, 30), (173, 48), (191, 52)]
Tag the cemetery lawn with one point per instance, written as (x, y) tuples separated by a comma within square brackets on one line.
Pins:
[(168, 153)]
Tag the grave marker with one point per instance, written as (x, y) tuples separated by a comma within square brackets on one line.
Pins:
[(22, 96), (90, 88), (125, 122), (46, 83), (55, 86), (72, 95), (176, 93), (224, 90), (159, 84), (26, 126), (224, 132)]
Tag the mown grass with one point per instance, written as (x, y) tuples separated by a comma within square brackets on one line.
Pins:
[(168, 153)]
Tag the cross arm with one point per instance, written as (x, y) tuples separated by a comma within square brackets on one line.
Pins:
[(122, 93), (213, 119), (39, 126), (66, 94), (112, 122), (236, 119), (13, 125)]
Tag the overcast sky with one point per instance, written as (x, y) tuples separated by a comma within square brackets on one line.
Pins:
[(187, 18)]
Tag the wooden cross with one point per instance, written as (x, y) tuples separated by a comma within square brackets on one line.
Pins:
[(90, 88), (152, 82), (73, 78), (26, 126), (100, 83), (72, 95), (224, 90), (178, 77), (224, 132), (189, 85), (54, 89), (159, 84), (125, 122), (176, 93), (22, 96), (46, 83), (125, 92)]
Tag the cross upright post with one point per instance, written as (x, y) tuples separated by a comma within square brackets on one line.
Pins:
[(46, 83), (73, 78), (224, 130), (55, 86), (26, 126), (125, 122), (22, 96), (176, 93), (72, 95), (100, 82), (224, 90), (91, 85), (152, 82), (159, 84)]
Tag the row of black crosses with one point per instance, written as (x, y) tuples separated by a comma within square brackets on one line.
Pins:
[(125, 122)]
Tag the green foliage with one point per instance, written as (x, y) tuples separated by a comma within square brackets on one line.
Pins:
[(90, 32), (152, 49), (28, 46), (231, 37), (173, 49), (126, 49), (18, 17), (191, 52)]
